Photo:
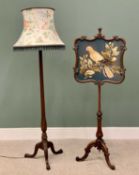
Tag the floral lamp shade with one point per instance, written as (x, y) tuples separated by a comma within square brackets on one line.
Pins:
[(99, 59), (38, 29)]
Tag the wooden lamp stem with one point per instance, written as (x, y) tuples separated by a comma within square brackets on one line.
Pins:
[(44, 144), (42, 96)]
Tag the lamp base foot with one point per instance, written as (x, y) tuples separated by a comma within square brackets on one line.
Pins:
[(44, 145)]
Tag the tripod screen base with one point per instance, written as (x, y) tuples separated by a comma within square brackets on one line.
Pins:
[(100, 145)]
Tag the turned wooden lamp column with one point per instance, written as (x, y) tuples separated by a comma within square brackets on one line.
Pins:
[(39, 33)]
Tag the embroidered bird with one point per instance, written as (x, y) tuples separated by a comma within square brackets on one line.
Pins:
[(98, 58), (94, 55)]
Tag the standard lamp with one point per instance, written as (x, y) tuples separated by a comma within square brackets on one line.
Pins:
[(39, 33)]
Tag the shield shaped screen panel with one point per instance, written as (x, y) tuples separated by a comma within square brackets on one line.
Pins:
[(99, 59)]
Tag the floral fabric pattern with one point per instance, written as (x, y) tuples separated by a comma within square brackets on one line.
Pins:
[(38, 28)]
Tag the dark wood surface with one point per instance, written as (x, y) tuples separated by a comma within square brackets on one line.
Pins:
[(99, 143), (44, 144)]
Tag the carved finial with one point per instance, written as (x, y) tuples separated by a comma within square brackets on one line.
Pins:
[(99, 31), (99, 35)]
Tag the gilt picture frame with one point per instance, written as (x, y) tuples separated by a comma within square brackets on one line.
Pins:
[(99, 59)]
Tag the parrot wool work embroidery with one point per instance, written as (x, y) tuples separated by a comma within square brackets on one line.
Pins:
[(104, 62), (99, 59)]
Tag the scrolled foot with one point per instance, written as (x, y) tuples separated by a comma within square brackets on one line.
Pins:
[(108, 162), (51, 146), (112, 167), (78, 159), (106, 154), (29, 155), (87, 151), (60, 151), (48, 166), (37, 147)]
